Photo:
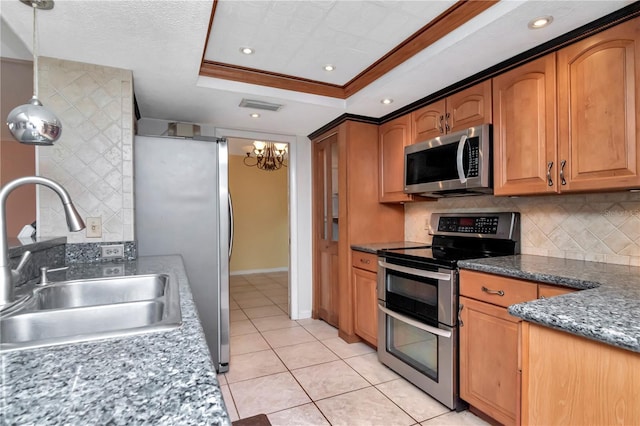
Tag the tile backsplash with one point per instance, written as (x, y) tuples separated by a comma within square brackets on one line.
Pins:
[(595, 227), (93, 158)]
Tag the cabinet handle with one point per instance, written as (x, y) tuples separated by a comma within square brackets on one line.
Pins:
[(440, 124), (365, 261), (562, 164), (459, 312), (549, 180), (446, 122), (489, 291)]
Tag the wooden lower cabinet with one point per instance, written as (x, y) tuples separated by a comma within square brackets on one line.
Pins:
[(570, 380), (365, 309), (489, 378)]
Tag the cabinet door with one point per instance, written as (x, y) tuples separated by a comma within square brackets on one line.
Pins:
[(598, 97), (365, 304), (326, 219), (393, 137), (428, 122), (489, 378), (469, 107), (524, 129)]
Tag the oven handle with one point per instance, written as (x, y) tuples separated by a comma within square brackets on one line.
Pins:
[(414, 323), (418, 272)]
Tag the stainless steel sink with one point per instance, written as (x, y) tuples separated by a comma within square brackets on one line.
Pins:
[(98, 291), (82, 310)]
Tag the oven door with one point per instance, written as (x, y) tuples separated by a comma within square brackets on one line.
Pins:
[(421, 353)]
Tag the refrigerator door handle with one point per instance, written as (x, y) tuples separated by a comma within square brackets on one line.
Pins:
[(231, 225)]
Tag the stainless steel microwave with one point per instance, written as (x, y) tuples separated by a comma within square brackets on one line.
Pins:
[(456, 164)]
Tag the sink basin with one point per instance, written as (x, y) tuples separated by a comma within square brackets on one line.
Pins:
[(73, 294), (82, 310)]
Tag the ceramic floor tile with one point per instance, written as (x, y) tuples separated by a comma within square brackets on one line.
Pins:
[(252, 365), (228, 402), (253, 294), (330, 379), (238, 291), (304, 415), (284, 307), (346, 350), (275, 293), (237, 315), (263, 311), (371, 369), (255, 302), (309, 321), (247, 343), (222, 379), (305, 354), (287, 337), (366, 406), (321, 330), (270, 286), (273, 323), (279, 299), (267, 394), (237, 328), (416, 403), (233, 305), (464, 418)]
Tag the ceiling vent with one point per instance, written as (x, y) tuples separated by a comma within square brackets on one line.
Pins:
[(268, 106)]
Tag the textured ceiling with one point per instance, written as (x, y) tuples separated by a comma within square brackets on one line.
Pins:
[(163, 43)]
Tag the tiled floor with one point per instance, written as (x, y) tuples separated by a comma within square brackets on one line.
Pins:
[(302, 373)]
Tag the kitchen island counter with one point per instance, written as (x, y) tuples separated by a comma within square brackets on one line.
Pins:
[(606, 309), (160, 378)]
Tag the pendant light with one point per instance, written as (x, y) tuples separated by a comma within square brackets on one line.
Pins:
[(31, 123)]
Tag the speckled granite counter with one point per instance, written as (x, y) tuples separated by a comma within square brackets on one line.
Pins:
[(374, 247), (607, 309), (161, 378)]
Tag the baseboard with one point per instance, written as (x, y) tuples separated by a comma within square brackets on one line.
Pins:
[(259, 271)]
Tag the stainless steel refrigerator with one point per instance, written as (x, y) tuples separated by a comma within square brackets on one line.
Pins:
[(182, 206)]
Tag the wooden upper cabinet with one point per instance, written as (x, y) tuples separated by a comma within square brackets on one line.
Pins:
[(428, 122), (393, 137), (598, 101), (524, 129), (467, 108)]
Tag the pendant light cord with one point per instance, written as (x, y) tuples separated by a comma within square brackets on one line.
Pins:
[(35, 55)]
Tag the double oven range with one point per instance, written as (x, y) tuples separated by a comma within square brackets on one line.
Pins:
[(418, 297)]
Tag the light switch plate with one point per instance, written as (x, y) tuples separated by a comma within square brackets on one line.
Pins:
[(94, 227)]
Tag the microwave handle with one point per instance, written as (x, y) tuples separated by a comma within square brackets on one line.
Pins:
[(461, 175), (414, 323)]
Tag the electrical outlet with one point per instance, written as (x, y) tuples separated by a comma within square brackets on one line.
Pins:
[(112, 251), (113, 270), (94, 227)]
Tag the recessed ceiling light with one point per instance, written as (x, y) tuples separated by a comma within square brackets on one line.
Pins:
[(254, 115), (540, 22), (329, 67), (386, 101), (246, 50)]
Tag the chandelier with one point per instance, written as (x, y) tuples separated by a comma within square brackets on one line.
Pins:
[(269, 156)]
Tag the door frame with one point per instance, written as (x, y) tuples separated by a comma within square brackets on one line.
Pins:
[(299, 195)]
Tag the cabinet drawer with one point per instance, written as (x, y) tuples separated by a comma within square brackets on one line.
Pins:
[(501, 291), (546, 291), (366, 261)]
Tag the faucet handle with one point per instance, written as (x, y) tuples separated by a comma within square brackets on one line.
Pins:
[(16, 274)]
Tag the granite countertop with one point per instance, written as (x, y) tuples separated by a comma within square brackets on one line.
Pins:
[(374, 247), (606, 309), (159, 378)]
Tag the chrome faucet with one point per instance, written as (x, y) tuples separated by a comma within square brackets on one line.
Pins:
[(74, 223)]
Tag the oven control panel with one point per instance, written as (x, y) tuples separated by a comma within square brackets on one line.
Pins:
[(497, 225), (469, 225)]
